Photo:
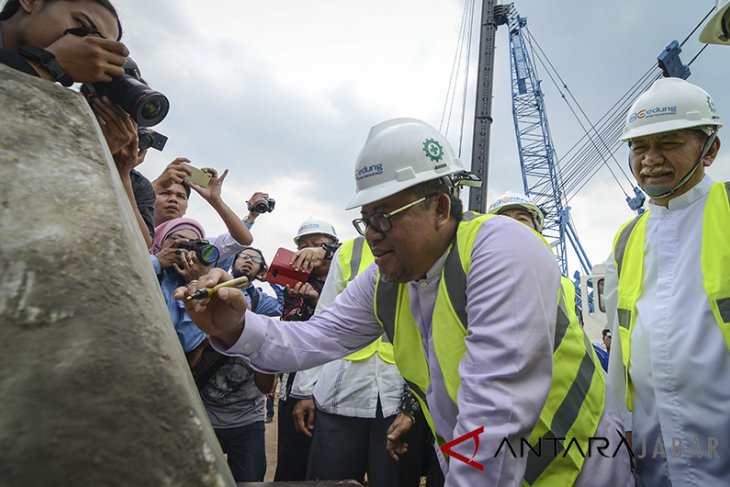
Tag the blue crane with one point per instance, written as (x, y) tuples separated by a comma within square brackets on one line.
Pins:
[(540, 175)]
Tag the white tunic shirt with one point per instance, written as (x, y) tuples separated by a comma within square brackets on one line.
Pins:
[(680, 366)]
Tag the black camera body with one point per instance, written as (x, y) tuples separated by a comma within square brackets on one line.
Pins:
[(207, 254), (146, 106), (150, 139), (266, 205)]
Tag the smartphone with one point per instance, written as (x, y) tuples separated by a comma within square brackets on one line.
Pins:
[(197, 176), (280, 272)]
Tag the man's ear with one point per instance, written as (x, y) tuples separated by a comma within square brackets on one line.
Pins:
[(712, 153), (443, 207)]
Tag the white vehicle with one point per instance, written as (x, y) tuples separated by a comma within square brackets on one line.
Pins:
[(594, 317)]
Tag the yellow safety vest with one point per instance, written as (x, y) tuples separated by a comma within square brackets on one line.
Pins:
[(575, 403), (628, 253), (355, 257)]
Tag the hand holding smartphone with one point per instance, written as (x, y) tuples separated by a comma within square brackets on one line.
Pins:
[(197, 176), (280, 272)]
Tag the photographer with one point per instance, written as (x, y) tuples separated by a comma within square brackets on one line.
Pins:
[(120, 132), (173, 193), (177, 266), (35, 39), (233, 393)]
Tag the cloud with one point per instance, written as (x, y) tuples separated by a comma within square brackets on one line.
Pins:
[(284, 93)]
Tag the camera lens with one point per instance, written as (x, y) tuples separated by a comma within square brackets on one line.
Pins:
[(208, 254), (147, 106), (150, 107)]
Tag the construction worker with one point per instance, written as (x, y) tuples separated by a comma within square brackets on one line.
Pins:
[(667, 292), (717, 29), (473, 307), (521, 208)]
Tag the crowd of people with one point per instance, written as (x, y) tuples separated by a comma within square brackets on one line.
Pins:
[(436, 324)]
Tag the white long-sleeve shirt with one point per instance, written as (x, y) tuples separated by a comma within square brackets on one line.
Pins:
[(506, 372), (345, 387), (680, 366)]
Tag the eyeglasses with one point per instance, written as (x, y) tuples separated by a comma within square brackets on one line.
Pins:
[(245, 257), (380, 222)]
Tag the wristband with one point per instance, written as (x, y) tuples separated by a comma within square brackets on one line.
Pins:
[(48, 61)]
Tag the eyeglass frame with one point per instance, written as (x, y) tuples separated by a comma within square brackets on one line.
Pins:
[(387, 216), (254, 259)]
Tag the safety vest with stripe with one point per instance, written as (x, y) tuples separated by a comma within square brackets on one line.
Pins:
[(355, 256), (575, 403), (628, 253)]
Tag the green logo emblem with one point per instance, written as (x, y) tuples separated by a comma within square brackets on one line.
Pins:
[(433, 150), (711, 104)]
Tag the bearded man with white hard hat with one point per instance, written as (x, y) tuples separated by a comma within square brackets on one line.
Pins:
[(668, 292), (473, 307)]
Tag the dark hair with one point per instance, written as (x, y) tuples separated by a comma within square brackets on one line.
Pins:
[(264, 267), (11, 7), (439, 186), (187, 188), (606, 331)]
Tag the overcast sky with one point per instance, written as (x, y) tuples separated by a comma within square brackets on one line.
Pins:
[(283, 93)]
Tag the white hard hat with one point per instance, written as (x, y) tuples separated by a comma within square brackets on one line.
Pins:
[(671, 104), (315, 226), (510, 201), (401, 153), (717, 30)]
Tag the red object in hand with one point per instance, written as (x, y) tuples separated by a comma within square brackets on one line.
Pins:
[(280, 272)]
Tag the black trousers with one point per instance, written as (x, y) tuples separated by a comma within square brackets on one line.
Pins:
[(345, 447), (293, 448)]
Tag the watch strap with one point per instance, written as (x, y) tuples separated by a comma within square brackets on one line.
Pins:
[(48, 61)]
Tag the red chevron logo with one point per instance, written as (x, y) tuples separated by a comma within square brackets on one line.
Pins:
[(446, 448)]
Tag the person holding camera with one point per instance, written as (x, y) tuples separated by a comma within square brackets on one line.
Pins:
[(36, 37), (173, 187), (120, 132), (179, 256), (232, 392)]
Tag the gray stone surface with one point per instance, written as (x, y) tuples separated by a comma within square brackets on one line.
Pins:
[(94, 386)]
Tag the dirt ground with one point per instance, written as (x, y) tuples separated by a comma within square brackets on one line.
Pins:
[(271, 445)]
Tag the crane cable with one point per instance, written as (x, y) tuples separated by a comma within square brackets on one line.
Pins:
[(465, 32), (587, 166)]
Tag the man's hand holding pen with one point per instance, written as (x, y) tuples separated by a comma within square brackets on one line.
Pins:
[(221, 315)]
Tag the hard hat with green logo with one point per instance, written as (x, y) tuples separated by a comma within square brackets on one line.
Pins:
[(512, 201), (717, 30), (315, 226), (401, 153), (671, 104)]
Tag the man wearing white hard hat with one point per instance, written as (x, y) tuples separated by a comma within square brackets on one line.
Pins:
[(300, 302), (717, 29), (668, 292), (473, 307)]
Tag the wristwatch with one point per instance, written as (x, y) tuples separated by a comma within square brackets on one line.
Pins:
[(48, 61)]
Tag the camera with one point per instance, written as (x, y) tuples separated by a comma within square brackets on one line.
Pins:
[(207, 254), (264, 206), (149, 138), (146, 106)]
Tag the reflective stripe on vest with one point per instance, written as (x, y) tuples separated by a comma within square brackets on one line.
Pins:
[(574, 405), (355, 256), (628, 252)]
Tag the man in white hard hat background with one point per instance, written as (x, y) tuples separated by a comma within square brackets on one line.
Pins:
[(473, 306), (667, 292), (313, 236)]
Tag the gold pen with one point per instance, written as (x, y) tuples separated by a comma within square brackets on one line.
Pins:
[(208, 292)]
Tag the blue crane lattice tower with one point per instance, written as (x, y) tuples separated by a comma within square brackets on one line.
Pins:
[(540, 175)]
